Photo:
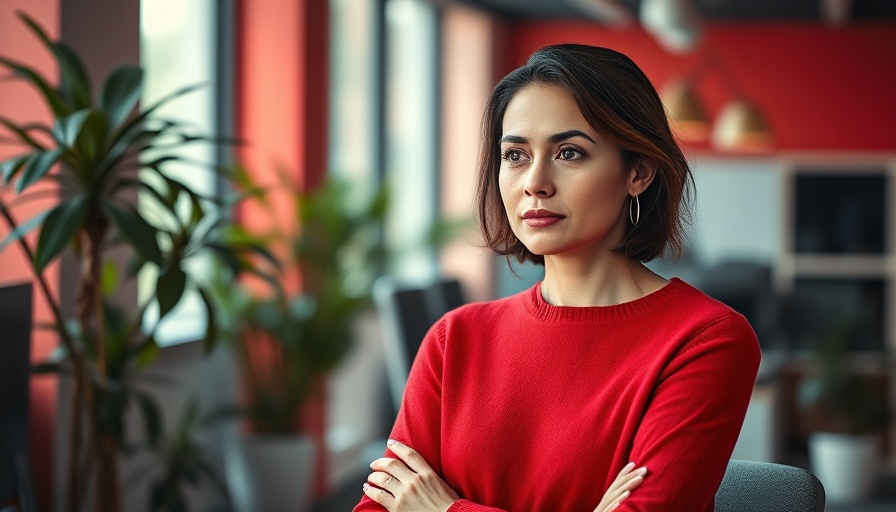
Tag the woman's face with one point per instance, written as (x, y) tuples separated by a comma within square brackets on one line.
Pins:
[(563, 185)]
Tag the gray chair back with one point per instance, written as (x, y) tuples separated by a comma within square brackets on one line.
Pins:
[(766, 487)]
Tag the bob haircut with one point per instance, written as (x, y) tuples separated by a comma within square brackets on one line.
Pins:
[(619, 102)]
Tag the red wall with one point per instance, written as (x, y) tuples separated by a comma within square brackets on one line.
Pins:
[(282, 108), (20, 104), (821, 87)]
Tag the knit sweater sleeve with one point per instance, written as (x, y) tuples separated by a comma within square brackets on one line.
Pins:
[(694, 417), (418, 424)]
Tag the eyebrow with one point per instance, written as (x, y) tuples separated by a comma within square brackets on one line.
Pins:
[(553, 139)]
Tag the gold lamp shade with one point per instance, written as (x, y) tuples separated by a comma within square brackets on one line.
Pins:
[(689, 120), (740, 126)]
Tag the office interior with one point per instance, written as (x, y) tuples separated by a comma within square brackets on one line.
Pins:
[(794, 215)]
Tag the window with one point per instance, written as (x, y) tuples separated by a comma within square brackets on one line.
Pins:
[(178, 48)]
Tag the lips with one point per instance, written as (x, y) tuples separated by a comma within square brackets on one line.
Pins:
[(541, 218), (540, 213)]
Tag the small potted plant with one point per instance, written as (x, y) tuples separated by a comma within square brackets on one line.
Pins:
[(287, 340), (848, 414)]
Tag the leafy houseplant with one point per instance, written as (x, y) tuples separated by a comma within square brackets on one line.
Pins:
[(841, 400), (848, 414), (287, 340), (288, 336), (94, 153)]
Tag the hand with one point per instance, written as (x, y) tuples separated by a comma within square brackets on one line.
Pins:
[(407, 484), (626, 481)]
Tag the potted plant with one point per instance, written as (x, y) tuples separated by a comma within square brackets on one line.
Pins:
[(287, 340), (848, 415), (93, 155)]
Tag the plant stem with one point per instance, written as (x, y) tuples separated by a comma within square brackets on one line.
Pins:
[(80, 390)]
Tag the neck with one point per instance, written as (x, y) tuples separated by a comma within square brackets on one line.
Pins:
[(613, 280)]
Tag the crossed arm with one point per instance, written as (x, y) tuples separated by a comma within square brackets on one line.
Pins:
[(409, 484)]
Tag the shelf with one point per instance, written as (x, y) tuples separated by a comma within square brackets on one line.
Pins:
[(842, 214), (842, 265)]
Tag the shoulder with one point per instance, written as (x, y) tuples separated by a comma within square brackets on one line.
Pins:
[(713, 322), (466, 325)]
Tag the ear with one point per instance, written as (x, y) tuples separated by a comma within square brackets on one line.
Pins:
[(641, 176)]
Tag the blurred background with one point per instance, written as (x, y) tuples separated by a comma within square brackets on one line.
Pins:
[(785, 110)]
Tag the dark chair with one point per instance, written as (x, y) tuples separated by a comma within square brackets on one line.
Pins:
[(16, 482), (765, 487), (407, 312)]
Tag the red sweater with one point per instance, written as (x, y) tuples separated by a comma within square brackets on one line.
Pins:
[(525, 406)]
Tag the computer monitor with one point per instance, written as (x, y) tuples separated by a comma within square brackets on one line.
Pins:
[(15, 369)]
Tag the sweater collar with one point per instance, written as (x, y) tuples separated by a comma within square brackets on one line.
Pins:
[(600, 314)]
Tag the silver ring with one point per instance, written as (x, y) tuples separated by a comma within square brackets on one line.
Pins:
[(387, 480)]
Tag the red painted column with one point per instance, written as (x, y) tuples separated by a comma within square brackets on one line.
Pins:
[(282, 113), (20, 104)]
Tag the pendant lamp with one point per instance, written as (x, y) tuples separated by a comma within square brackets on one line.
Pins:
[(740, 125), (690, 123)]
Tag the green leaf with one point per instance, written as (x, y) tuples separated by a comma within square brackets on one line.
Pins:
[(59, 230), (91, 140), (135, 230), (66, 129), (197, 212), (83, 135), (9, 168), (211, 326), (23, 229), (38, 165), (151, 417), (46, 367), (21, 131), (137, 121), (146, 354), (76, 82), (170, 288), (120, 93), (74, 76), (54, 101), (109, 279)]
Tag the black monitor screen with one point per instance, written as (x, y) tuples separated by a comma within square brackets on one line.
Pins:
[(15, 372)]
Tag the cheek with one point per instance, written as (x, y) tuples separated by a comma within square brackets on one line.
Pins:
[(505, 188)]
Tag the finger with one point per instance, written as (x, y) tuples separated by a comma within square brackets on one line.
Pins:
[(409, 456), (622, 488), (383, 481), (627, 486), (626, 478), (393, 467), (380, 496), (621, 477), (626, 469)]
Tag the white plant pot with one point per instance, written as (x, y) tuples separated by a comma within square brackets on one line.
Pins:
[(271, 472), (846, 465)]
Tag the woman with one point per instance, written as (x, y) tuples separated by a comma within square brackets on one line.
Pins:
[(539, 401)]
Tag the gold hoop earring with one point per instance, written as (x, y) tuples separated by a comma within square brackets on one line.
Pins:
[(636, 216)]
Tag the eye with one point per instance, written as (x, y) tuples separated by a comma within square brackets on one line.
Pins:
[(513, 156), (570, 153)]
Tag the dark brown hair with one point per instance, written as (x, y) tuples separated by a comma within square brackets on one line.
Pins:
[(619, 102)]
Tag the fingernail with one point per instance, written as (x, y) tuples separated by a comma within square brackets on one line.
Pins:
[(390, 442), (630, 465), (642, 471), (625, 494), (371, 464), (365, 486)]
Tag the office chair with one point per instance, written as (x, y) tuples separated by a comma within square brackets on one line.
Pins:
[(766, 487), (407, 312)]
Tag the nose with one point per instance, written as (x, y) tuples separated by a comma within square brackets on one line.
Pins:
[(538, 180)]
